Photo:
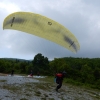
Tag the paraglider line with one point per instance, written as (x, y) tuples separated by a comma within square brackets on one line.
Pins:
[(71, 44), (12, 21)]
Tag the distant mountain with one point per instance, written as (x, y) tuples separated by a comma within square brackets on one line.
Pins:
[(17, 59)]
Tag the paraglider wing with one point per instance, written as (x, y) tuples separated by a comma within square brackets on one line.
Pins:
[(43, 27)]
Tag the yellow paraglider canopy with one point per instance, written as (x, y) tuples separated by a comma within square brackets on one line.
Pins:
[(43, 27)]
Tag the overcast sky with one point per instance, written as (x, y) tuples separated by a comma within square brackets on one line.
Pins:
[(81, 17)]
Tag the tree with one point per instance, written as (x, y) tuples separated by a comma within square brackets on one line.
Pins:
[(97, 74), (40, 63), (87, 74)]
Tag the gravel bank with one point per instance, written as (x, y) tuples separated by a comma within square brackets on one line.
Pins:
[(26, 88)]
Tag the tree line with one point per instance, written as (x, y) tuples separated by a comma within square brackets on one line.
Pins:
[(83, 70)]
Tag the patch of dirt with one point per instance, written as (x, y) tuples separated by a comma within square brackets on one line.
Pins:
[(23, 88)]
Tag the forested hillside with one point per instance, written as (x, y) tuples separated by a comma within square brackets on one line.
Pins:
[(79, 70)]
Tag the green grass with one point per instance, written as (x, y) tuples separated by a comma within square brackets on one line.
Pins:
[(43, 99), (51, 99), (45, 83), (23, 99), (41, 86), (47, 79), (37, 93), (10, 87), (79, 84), (3, 80), (28, 94), (45, 95)]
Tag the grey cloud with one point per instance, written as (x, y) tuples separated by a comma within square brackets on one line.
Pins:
[(77, 17)]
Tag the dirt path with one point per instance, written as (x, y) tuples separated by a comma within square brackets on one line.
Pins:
[(24, 88)]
